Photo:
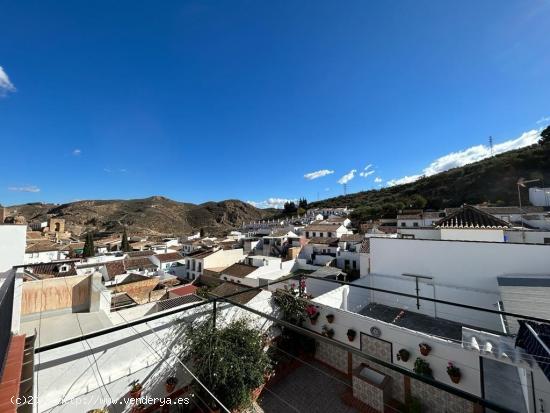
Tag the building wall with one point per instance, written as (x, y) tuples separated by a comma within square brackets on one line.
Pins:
[(223, 258), (467, 264), (488, 235), (529, 237), (54, 294), (442, 352), (533, 301), (464, 272), (44, 256), (12, 245)]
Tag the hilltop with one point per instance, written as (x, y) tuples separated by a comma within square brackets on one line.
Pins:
[(491, 180), (149, 216)]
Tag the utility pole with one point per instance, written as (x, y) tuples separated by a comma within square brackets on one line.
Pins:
[(491, 144), (345, 189)]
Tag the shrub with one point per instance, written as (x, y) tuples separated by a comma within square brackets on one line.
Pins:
[(230, 360)]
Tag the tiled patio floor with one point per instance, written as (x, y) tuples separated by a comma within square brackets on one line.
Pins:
[(309, 388)]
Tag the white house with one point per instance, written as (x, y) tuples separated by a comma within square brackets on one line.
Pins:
[(167, 261), (326, 230), (45, 251), (198, 261), (257, 270), (418, 218)]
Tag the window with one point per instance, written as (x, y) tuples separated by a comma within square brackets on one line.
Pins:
[(415, 224), (314, 234), (403, 224), (307, 234), (330, 234), (354, 265), (547, 241), (199, 267)]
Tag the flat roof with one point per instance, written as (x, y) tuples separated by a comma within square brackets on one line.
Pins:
[(414, 321)]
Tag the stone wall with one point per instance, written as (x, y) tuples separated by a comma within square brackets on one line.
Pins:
[(333, 356), (56, 294), (434, 400), (383, 350)]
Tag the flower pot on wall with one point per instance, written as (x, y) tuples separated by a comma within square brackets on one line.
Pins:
[(171, 384), (403, 355), (330, 318), (351, 334), (453, 372), (424, 349)]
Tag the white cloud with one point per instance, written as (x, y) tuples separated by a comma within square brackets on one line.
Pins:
[(5, 84), (123, 170), (377, 179), (77, 152), (404, 180), (107, 170), (365, 174), (26, 188), (318, 174), (367, 171), (544, 120), (469, 155), (347, 177), (271, 203)]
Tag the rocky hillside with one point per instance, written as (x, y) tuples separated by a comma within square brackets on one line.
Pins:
[(150, 216)]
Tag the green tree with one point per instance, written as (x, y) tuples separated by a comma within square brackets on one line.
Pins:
[(89, 249), (289, 208), (125, 245), (230, 360), (545, 136), (417, 202), (302, 203)]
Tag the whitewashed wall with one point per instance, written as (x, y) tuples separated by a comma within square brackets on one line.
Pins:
[(442, 352), (70, 373), (12, 245), (465, 263)]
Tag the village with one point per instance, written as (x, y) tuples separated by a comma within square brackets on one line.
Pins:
[(428, 308)]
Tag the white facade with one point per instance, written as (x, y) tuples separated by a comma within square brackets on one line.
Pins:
[(44, 256), (194, 266), (459, 271), (539, 196), (12, 245)]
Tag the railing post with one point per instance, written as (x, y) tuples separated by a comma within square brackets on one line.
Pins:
[(214, 310)]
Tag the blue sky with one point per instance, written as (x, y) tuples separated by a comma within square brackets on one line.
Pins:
[(209, 100)]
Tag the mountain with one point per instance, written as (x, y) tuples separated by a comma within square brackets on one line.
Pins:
[(150, 216), (492, 180)]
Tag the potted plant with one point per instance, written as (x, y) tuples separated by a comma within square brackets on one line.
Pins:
[(414, 406), (327, 331), (351, 334), (422, 367), (312, 313), (424, 349), (453, 372), (171, 384), (135, 389), (330, 318), (403, 355)]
